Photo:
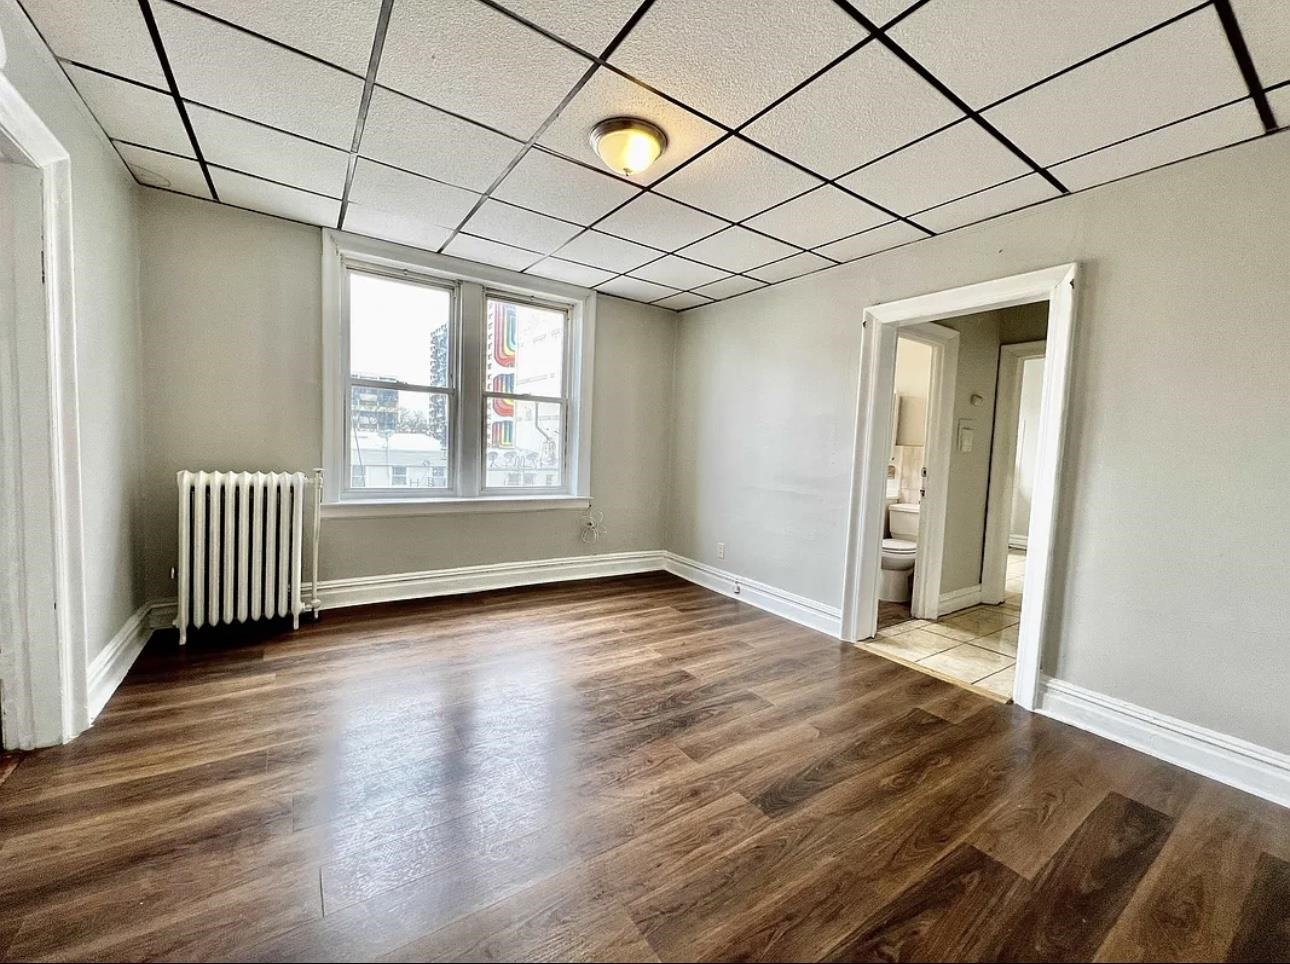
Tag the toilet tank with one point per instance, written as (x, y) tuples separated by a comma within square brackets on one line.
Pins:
[(902, 518)]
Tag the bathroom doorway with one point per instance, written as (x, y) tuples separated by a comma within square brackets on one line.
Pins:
[(960, 631)]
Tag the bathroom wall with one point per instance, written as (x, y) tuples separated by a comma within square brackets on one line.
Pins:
[(1032, 385), (913, 384)]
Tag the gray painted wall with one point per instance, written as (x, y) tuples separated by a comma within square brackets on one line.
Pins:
[(106, 272), (1171, 543), (1032, 384), (233, 332)]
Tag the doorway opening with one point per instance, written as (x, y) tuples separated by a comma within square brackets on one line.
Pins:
[(978, 611)]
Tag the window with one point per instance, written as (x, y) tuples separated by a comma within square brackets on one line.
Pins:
[(451, 383)]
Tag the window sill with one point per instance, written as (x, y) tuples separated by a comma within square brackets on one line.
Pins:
[(363, 508)]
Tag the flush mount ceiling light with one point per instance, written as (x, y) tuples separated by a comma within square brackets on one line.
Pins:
[(628, 144)]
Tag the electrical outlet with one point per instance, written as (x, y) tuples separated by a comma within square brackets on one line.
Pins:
[(721, 550)]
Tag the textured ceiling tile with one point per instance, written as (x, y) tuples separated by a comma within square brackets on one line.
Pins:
[(401, 228), (108, 34), (798, 264), (869, 104), (678, 272), (408, 195), (415, 137), (729, 287), (129, 112), (1280, 101), (338, 31), (543, 182), (823, 215), (165, 170), (736, 180), (1219, 128), (635, 289), (264, 196), (957, 161), (984, 51), (605, 251), (737, 249), (233, 71), (987, 204), (660, 222), (731, 58), (490, 252), (686, 299), (264, 152), (882, 12), (568, 271), (1265, 25), (590, 26), (524, 229), (872, 241), (1179, 70), (469, 59), (609, 95)]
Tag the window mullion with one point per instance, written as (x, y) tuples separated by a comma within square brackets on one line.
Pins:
[(470, 407)]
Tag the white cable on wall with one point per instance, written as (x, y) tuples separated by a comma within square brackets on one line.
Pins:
[(592, 525)]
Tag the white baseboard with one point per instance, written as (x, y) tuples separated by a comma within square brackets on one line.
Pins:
[(1017, 542), (799, 609), (1236, 762), (109, 667), (959, 599)]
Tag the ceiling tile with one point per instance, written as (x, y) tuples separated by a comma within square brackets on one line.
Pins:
[(984, 51), (590, 26), (957, 161), (729, 287), (472, 60), (408, 195), (872, 241), (736, 180), (574, 274), (606, 251), (338, 31), (490, 252), (416, 137), (244, 146), (678, 272), (1179, 70), (608, 94), (552, 185), (882, 12), (987, 204), (233, 71), (658, 221), (1265, 25), (686, 299), (264, 196), (129, 112), (823, 215), (524, 229), (869, 104), (1236, 122), (737, 249), (362, 219), (798, 264), (79, 30), (156, 169), (1280, 101), (635, 289), (731, 58)]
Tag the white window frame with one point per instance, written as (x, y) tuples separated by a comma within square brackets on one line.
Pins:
[(472, 284)]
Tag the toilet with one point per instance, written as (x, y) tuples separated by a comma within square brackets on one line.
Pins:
[(898, 553)]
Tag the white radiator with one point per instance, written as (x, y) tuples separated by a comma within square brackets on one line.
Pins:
[(241, 537)]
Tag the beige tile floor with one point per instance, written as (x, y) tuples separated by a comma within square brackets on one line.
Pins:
[(977, 646)]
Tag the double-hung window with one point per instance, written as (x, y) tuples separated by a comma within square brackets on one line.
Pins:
[(449, 384)]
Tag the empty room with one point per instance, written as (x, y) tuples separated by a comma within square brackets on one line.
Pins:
[(644, 480)]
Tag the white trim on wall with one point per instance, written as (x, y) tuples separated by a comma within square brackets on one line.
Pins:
[(1228, 759), (115, 659), (873, 420), (957, 599), (781, 602)]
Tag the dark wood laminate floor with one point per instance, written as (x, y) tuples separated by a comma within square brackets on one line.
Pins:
[(632, 769)]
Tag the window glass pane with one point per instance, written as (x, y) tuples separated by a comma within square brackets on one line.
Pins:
[(525, 349), (524, 443), (398, 331), (398, 439)]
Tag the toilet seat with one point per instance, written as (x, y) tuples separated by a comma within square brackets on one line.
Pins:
[(899, 547)]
